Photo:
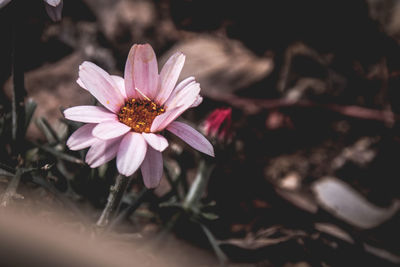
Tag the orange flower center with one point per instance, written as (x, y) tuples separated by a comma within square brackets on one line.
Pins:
[(139, 114)]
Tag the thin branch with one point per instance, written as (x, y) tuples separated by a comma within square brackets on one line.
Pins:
[(253, 106)]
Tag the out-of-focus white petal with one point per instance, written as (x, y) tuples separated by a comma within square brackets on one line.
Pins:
[(131, 153), (54, 11), (53, 3), (191, 137), (4, 2), (152, 168), (110, 129), (168, 76), (158, 142), (82, 138), (89, 114)]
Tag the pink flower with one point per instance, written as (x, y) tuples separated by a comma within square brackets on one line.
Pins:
[(136, 109), (218, 124)]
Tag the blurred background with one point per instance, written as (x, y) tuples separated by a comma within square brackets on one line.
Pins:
[(306, 174)]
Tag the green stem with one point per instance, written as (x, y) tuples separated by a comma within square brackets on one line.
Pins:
[(114, 198), (199, 185)]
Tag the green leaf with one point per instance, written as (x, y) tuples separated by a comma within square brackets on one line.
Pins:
[(30, 107), (209, 216)]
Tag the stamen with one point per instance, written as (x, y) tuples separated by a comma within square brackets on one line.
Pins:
[(139, 114)]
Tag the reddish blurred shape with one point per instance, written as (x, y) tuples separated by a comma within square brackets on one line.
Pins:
[(218, 125), (277, 120)]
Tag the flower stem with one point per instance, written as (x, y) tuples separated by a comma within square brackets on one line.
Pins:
[(114, 198), (199, 185)]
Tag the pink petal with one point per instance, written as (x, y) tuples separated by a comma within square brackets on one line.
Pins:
[(158, 142), (183, 100), (161, 121), (89, 114), (102, 151), (54, 9), (110, 129), (131, 153), (186, 95), (80, 83), (128, 74), (120, 84), (169, 75), (102, 86), (82, 138), (197, 102), (186, 82), (191, 137), (152, 168), (146, 70)]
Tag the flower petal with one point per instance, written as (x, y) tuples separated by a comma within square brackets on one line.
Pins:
[(131, 153), (158, 142), (82, 138), (197, 102), (80, 83), (145, 70), (128, 74), (102, 151), (186, 96), (101, 85), (186, 82), (110, 129), (89, 114), (161, 121), (183, 100), (4, 2), (191, 137), (169, 75), (120, 83), (152, 168), (53, 2), (54, 9)]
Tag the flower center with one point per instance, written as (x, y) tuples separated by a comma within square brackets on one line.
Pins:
[(139, 114)]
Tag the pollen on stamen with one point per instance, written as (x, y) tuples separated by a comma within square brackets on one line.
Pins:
[(139, 114)]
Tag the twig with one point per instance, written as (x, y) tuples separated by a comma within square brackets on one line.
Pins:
[(11, 191), (253, 106), (116, 193)]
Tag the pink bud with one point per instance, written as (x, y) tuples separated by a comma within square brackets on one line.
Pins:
[(218, 124)]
